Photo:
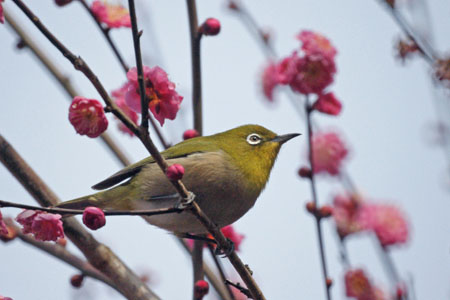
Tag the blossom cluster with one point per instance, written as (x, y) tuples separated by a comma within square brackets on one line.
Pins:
[(353, 214), (308, 71), (44, 226)]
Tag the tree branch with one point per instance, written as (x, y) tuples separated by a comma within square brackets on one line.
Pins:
[(100, 256), (63, 254)]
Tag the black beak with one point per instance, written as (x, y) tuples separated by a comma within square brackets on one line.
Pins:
[(281, 139)]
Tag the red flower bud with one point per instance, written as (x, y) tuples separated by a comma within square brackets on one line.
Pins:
[(304, 172), (87, 117), (190, 133), (94, 218), (210, 27), (201, 288), (311, 207), (175, 172), (325, 211), (76, 280), (329, 282), (62, 242)]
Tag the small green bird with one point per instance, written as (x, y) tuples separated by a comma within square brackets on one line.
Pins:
[(226, 171)]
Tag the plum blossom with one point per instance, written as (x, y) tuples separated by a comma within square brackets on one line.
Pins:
[(345, 214), (201, 288), (316, 44), (113, 16), (328, 152), (47, 227), (357, 285), (386, 221), (119, 98), (270, 80), (164, 101), (313, 74), (190, 133), (328, 104), (2, 17), (87, 117), (26, 218), (210, 27)]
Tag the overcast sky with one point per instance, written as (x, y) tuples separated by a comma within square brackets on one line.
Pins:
[(387, 120)]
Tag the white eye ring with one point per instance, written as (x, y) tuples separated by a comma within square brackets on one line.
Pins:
[(254, 139)]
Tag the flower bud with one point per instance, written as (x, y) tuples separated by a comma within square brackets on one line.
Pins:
[(210, 27), (62, 242), (87, 117), (201, 288), (325, 211), (190, 133), (76, 280), (311, 207), (329, 282), (304, 172), (175, 172), (94, 218), (10, 235)]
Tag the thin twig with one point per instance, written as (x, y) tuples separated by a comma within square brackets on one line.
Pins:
[(65, 83), (100, 256), (196, 38), (63, 254), (221, 271), (315, 198), (106, 34), (67, 211), (241, 289)]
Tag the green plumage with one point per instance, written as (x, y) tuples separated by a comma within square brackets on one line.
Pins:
[(226, 171)]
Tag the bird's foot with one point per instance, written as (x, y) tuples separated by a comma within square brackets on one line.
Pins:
[(197, 237), (184, 203), (225, 252)]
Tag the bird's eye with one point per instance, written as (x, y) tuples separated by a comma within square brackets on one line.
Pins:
[(254, 139)]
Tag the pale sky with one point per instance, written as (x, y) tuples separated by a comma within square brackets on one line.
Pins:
[(388, 112)]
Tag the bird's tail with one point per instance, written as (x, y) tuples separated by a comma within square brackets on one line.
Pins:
[(115, 198)]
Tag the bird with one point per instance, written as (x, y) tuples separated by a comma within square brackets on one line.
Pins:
[(226, 172)]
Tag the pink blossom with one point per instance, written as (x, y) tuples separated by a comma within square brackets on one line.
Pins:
[(114, 16), (328, 104), (328, 152), (175, 172), (87, 117), (313, 74), (190, 133), (93, 217), (233, 235), (387, 221), (2, 17), (5, 298), (357, 285), (210, 27), (3, 227), (26, 218), (119, 98), (201, 288), (345, 212), (316, 44), (270, 80), (164, 101), (47, 227), (287, 68)]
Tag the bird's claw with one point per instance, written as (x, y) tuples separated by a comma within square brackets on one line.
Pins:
[(225, 252), (184, 203)]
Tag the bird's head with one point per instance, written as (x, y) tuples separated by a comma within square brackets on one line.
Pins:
[(253, 149)]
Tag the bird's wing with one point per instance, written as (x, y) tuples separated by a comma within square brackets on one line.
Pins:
[(182, 149)]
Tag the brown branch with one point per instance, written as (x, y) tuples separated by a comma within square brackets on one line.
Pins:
[(318, 219), (196, 37), (63, 254), (219, 266), (63, 81), (99, 255), (106, 34)]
